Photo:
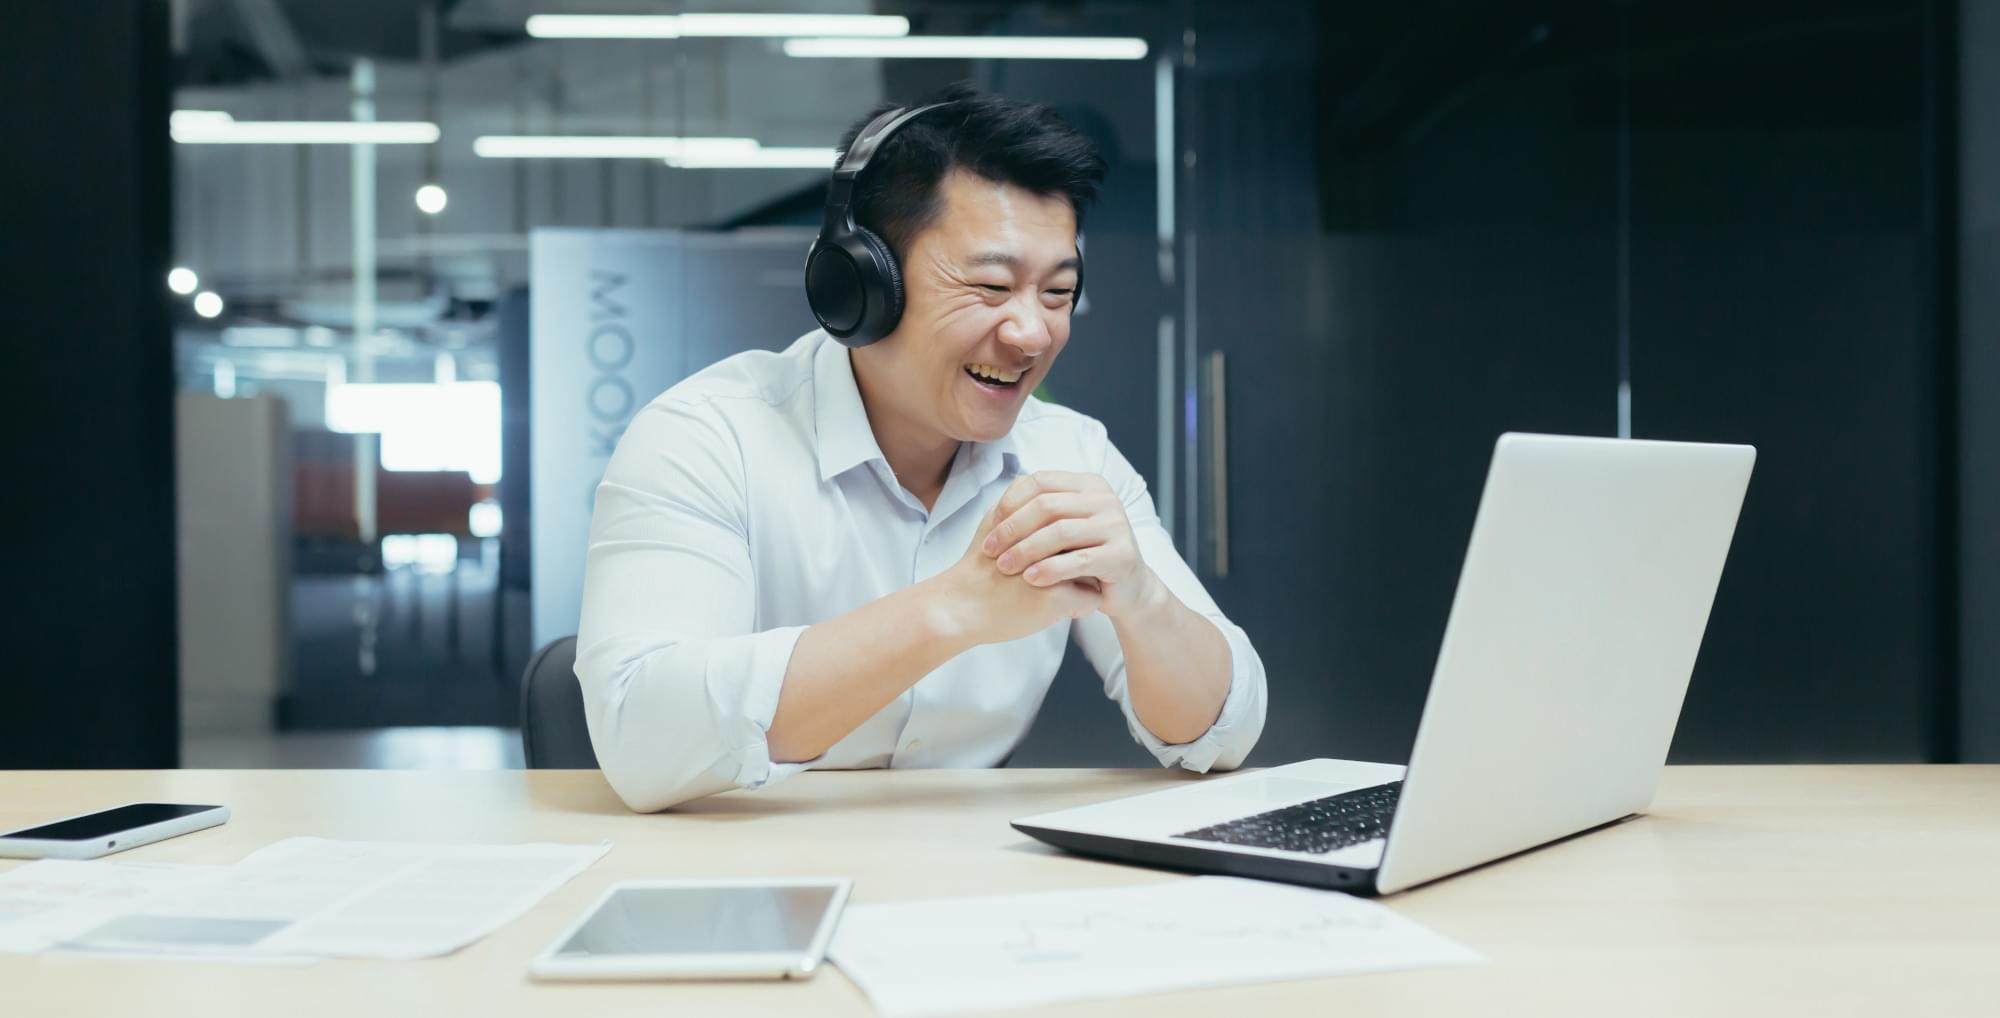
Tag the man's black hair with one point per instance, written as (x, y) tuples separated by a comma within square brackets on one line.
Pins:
[(1003, 140)]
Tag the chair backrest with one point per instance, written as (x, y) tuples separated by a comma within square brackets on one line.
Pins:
[(553, 731)]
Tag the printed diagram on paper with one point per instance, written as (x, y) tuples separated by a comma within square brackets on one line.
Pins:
[(1032, 949)]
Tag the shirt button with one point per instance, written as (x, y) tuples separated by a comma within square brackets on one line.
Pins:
[(914, 745)]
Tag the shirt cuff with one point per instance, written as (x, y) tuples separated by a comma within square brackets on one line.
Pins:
[(1235, 729), (745, 676)]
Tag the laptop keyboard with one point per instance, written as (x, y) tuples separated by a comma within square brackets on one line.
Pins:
[(1318, 826)]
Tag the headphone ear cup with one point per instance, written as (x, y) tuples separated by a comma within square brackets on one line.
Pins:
[(886, 312), (835, 289)]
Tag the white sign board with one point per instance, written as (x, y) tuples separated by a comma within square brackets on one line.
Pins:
[(617, 317)]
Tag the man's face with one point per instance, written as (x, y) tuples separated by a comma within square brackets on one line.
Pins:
[(988, 287)]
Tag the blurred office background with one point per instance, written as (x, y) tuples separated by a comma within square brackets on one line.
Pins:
[(325, 315)]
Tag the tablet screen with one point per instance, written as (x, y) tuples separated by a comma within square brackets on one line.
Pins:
[(701, 920)]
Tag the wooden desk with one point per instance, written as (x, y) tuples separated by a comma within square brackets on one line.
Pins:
[(1813, 891)]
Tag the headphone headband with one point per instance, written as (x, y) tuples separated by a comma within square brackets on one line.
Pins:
[(872, 137)]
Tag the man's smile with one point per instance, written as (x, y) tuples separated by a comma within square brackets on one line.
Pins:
[(989, 375)]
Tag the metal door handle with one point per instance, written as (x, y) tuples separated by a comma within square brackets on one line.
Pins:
[(1215, 380)]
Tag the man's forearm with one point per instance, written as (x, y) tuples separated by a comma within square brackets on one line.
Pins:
[(1177, 667), (845, 669)]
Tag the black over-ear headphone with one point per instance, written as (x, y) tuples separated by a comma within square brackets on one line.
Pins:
[(853, 282)]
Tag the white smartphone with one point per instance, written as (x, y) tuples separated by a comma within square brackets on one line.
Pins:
[(110, 830), (700, 929)]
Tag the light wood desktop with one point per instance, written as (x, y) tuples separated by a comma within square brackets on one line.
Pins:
[(1818, 891)]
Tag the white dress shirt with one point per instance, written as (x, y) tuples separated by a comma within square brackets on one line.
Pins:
[(751, 501)]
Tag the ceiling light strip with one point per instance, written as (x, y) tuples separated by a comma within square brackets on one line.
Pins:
[(215, 131), (676, 26), (776, 158), (566, 146), (604, 26), (974, 47), (880, 26)]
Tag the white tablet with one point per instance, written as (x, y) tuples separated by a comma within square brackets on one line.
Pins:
[(700, 929)]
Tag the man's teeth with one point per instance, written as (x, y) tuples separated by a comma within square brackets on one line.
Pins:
[(993, 374)]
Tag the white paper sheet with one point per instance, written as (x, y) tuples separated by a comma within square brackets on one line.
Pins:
[(46, 902), (965, 954), (300, 898)]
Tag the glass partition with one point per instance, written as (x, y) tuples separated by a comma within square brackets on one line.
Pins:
[(431, 258)]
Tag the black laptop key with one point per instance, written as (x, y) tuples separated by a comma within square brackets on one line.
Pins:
[(1318, 826)]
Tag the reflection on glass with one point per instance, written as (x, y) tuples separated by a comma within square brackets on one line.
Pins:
[(340, 235), (702, 920)]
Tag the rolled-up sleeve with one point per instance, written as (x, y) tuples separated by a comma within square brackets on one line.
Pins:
[(678, 689), (1235, 730)]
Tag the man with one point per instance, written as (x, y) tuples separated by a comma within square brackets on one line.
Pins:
[(872, 555)]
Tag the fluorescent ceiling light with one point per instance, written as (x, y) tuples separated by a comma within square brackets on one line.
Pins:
[(205, 129), (576, 146), (196, 118), (604, 26), (761, 159), (975, 47), (670, 26), (770, 25)]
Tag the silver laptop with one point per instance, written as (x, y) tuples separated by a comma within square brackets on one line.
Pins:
[(1580, 607)]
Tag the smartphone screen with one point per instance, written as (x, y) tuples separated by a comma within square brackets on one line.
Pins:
[(110, 821)]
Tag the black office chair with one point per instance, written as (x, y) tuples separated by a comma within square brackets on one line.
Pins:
[(553, 732)]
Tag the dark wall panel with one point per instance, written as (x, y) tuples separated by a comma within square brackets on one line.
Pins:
[(1979, 381), (1806, 347), (88, 572), (1779, 298)]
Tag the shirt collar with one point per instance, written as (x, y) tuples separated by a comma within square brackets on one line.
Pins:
[(840, 424), (844, 438)]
